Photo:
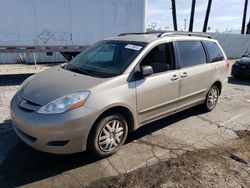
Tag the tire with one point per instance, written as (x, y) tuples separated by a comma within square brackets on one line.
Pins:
[(211, 99), (108, 135)]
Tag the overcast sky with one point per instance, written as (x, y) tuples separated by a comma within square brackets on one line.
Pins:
[(224, 15)]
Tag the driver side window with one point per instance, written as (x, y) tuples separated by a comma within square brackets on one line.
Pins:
[(160, 58)]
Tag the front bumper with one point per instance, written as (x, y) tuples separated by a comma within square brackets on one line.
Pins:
[(59, 133), (240, 72)]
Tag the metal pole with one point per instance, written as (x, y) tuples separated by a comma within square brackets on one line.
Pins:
[(71, 25), (36, 30), (34, 57), (207, 15), (192, 16), (185, 24), (174, 15), (244, 18)]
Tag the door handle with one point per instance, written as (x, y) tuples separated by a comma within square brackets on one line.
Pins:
[(184, 74), (175, 77)]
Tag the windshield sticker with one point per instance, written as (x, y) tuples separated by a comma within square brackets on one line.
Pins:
[(133, 47)]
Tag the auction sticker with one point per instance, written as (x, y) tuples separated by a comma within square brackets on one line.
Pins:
[(133, 47)]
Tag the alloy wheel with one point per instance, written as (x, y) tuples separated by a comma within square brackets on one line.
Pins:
[(111, 135), (212, 98)]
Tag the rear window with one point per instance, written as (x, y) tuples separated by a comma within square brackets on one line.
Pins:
[(214, 52), (191, 53)]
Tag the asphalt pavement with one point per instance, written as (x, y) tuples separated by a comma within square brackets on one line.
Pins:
[(163, 140)]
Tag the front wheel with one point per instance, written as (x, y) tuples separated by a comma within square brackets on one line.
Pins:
[(108, 135), (211, 99)]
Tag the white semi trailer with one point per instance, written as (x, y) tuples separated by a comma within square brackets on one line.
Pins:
[(63, 25)]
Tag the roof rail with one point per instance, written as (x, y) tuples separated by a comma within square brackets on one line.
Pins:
[(169, 33), (163, 34), (145, 33)]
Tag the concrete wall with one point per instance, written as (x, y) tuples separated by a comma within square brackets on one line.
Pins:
[(234, 45)]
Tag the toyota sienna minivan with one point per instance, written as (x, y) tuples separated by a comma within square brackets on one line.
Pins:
[(115, 86)]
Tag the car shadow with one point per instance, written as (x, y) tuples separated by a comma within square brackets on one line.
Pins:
[(24, 165), (13, 79), (162, 123), (237, 81)]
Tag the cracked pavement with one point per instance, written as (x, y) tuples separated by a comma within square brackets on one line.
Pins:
[(168, 139)]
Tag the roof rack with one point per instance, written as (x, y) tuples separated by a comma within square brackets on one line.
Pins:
[(145, 33), (170, 33), (163, 34)]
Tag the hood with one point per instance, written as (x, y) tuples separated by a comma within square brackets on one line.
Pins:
[(56, 82), (244, 61)]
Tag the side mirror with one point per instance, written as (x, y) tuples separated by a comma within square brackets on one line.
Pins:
[(147, 71)]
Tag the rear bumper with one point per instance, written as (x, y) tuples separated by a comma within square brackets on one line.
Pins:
[(61, 133)]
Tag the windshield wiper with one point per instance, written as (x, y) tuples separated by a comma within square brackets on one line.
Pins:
[(79, 70)]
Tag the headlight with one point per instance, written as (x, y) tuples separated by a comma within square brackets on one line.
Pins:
[(65, 103)]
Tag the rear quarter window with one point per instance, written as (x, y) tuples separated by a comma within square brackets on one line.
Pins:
[(214, 52), (191, 53)]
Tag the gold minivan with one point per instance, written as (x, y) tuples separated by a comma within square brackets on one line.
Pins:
[(114, 87)]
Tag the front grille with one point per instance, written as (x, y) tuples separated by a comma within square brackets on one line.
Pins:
[(27, 105), (245, 66), (32, 103), (25, 109)]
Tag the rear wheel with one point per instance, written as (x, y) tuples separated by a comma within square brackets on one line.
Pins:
[(211, 99), (108, 135)]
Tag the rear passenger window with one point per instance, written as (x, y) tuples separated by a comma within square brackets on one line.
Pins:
[(191, 53), (214, 52)]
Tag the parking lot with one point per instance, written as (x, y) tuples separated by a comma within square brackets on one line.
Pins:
[(188, 149)]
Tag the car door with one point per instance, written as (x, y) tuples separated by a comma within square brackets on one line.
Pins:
[(157, 95), (195, 73)]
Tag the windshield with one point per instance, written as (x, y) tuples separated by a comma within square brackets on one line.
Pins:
[(106, 58), (246, 55)]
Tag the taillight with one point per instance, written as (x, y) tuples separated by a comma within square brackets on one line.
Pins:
[(227, 63)]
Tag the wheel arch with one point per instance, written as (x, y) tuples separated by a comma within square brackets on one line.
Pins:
[(128, 115), (218, 84)]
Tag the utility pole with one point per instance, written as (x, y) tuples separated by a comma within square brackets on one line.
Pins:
[(192, 16), (244, 18), (248, 27), (207, 15), (174, 15)]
